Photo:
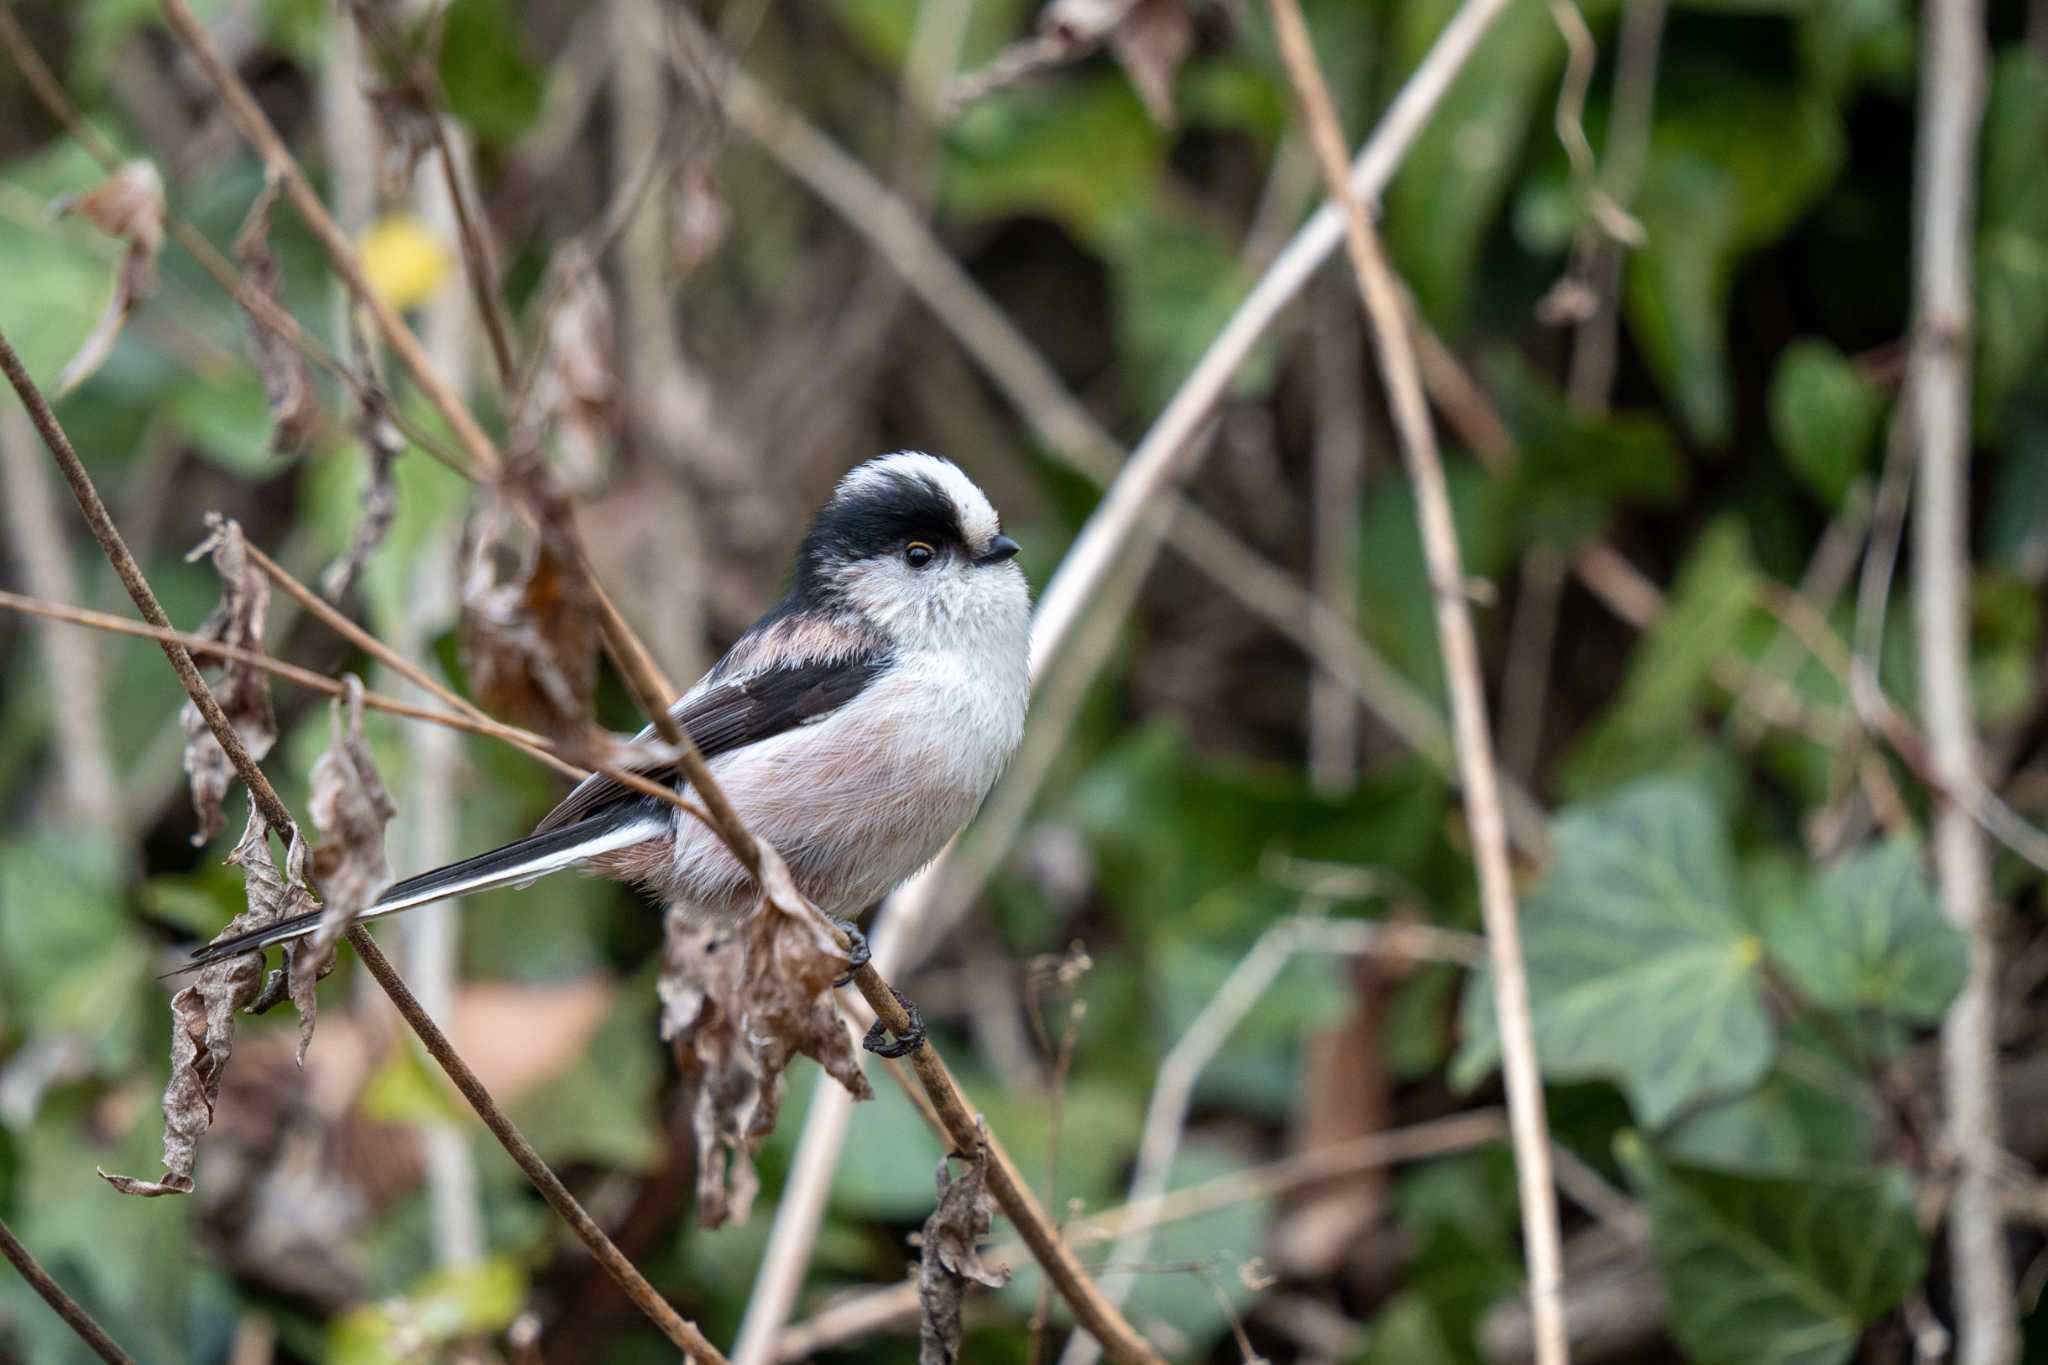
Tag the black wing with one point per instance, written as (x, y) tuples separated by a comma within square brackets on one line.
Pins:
[(733, 715)]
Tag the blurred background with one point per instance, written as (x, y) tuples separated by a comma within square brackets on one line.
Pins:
[(1660, 263)]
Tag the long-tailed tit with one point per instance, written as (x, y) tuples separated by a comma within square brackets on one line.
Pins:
[(856, 727)]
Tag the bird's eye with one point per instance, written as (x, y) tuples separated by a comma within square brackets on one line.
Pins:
[(919, 555)]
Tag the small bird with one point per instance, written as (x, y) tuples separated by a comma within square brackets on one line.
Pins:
[(856, 727)]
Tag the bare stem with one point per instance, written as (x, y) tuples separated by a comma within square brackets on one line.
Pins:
[(249, 118), (266, 800), (1528, 1126), (1944, 211), (74, 1315)]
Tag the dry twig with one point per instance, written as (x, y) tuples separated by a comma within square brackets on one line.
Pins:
[(1468, 695), (74, 1315), (264, 799), (1944, 200), (1155, 468)]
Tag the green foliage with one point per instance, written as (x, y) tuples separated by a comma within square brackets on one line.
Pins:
[(1671, 668), (59, 273), (1572, 470), (1182, 840), (1810, 1111), (1871, 936), (2012, 231), (485, 75), (1395, 604), (1454, 179), (1776, 1271), (1641, 967), (1824, 416), (442, 1310), (1734, 161)]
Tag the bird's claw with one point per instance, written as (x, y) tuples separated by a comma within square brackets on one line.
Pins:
[(878, 1041), (857, 950)]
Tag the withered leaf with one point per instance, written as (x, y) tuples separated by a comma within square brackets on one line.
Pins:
[(951, 1256), (376, 426), (244, 689), (203, 1013), (350, 807), (287, 386), (574, 386), (739, 1001), (529, 640), (130, 204)]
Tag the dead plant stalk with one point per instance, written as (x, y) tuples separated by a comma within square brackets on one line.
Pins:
[(677, 1329), (1382, 300), (1944, 204)]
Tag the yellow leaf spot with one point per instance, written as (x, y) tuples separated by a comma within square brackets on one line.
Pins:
[(404, 259)]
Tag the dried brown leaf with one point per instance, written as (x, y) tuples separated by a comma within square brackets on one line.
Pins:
[(350, 807), (203, 1013), (130, 204), (376, 426), (951, 1256), (574, 389), (739, 1002), (244, 689), (287, 385), (529, 639)]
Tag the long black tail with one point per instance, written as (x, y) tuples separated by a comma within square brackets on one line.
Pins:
[(518, 862)]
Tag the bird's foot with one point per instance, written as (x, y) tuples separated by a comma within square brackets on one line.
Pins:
[(857, 950), (878, 1041)]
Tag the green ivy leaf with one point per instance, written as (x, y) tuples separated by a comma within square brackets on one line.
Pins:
[(1733, 164), (1083, 155), (1825, 417), (1641, 968), (1871, 936), (2012, 232), (1670, 670), (1780, 1270), (1453, 180), (1574, 468), (1810, 1110)]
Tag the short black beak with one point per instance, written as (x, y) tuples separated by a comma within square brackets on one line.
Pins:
[(1000, 549)]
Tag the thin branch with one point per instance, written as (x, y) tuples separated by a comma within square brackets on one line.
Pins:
[(242, 108), (1944, 214), (651, 690), (1066, 428), (74, 1315), (265, 798), (206, 650), (1173, 1090), (1157, 467), (879, 1309), (49, 92), (679, 1330), (327, 614), (1468, 697)]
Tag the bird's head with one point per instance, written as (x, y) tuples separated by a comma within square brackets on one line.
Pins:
[(914, 546)]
